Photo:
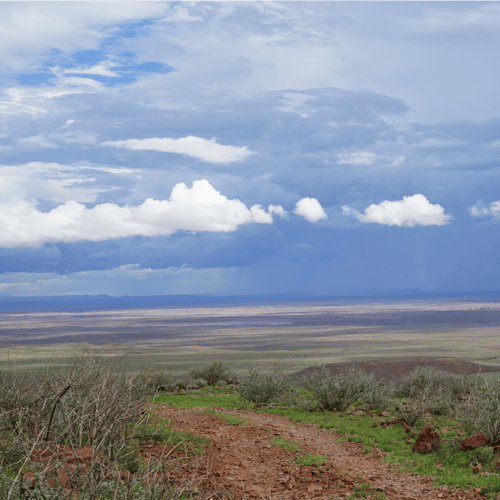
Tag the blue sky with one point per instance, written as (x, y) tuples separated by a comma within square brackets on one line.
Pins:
[(249, 148)]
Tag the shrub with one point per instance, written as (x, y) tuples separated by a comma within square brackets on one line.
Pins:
[(84, 406), (152, 379), (258, 387), (428, 377), (414, 409), (380, 395), (481, 412), (338, 391), (212, 373)]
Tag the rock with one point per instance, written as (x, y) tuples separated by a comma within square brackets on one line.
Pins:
[(477, 469), (428, 440), (472, 442), (496, 464)]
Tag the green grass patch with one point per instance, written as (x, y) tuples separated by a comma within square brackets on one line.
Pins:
[(457, 466), (210, 397), (288, 444), (364, 490), (312, 460), (230, 419)]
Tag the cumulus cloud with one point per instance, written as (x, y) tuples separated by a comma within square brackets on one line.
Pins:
[(277, 209), (199, 208), (310, 209), (197, 147), (410, 211), (481, 210)]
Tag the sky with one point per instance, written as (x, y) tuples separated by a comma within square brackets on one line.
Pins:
[(332, 148)]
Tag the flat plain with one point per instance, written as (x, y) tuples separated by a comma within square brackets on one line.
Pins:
[(297, 335)]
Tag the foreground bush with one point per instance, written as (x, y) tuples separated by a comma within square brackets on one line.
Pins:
[(338, 391), (258, 387), (212, 373), (88, 409)]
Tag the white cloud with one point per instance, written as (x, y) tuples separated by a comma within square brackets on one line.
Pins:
[(397, 161), (481, 210), (180, 14), (359, 158), (200, 208), (54, 140), (277, 209), (31, 31), (34, 100), (101, 69), (368, 158), (409, 212), (310, 209), (110, 170), (54, 182), (197, 147)]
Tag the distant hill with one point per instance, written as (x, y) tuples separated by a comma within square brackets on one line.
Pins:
[(82, 303)]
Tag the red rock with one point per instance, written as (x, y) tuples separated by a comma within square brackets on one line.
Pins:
[(472, 442), (496, 465), (427, 440), (477, 468)]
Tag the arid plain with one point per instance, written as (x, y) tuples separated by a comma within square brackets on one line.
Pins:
[(298, 335)]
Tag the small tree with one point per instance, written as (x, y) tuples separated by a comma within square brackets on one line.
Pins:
[(212, 373)]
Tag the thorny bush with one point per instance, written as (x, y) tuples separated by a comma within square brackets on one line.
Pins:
[(87, 406)]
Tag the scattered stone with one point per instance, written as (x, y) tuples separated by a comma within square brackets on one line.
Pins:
[(428, 440), (475, 441), (477, 469)]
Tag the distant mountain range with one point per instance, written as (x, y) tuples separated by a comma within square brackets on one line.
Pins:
[(83, 303)]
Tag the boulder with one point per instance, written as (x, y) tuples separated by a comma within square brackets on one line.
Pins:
[(427, 440), (475, 441)]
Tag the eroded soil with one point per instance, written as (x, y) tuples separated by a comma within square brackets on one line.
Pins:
[(241, 463)]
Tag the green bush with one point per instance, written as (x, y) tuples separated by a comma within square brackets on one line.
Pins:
[(380, 395), (481, 412), (428, 377), (152, 379), (258, 387), (212, 373), (338, 391)]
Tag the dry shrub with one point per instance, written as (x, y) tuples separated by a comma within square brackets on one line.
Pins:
[(89, 407)]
